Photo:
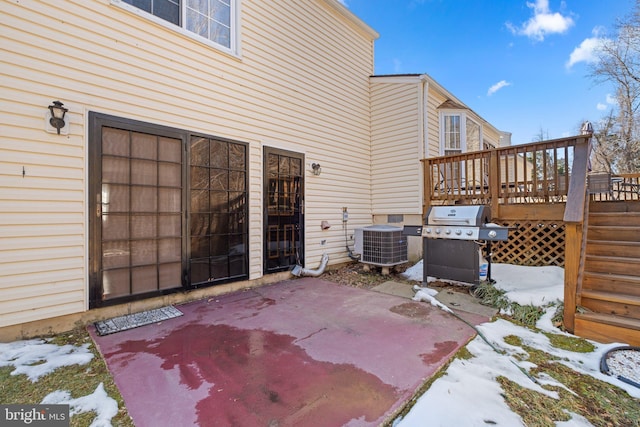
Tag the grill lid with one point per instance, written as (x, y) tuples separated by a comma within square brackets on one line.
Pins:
[(473, 216)]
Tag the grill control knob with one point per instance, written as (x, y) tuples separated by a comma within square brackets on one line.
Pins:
[(428, 230), (492, 233), (438, 231), (447, 231), (469, 232), (458, 232)]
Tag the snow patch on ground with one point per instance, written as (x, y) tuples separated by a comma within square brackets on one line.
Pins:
[(468, 394), (37, 358)]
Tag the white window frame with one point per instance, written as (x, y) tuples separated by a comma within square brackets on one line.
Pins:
[(463, 129), (234, 45)]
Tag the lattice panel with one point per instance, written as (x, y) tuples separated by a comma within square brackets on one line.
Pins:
[(531, 243)]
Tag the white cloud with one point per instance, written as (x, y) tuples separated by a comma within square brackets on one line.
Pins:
[(586, 52), (610, 101), (543, 22), (496, 87)]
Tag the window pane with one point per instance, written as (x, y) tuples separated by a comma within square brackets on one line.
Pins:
[(237, 202), (199, 270), (169, 200), (143, 226), (143, 252), (169, 150), (219, 179), (219, 223), (220, 34), (115, 142), (170, 275), (144, 199), (115, 169), (221, 11), (169, 10), (272, 165), (144, 146), (218, 201), (473, 135), (296, 167), (236, 181), (200, 201), (197, 23), (199, 247), (144, 279), (199, 151), (115, 254), (219, 154), (452, 132), (144, 172), (199, 225), (169, 250), (169, 226), (115, 283), (236, 156), (169, 175), (115, 227), (115, 198), (140, 4), (198, 5)]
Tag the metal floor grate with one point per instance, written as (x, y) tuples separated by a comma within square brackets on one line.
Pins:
[(130, 321)]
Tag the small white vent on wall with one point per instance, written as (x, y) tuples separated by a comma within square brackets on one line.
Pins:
[(382, 245)]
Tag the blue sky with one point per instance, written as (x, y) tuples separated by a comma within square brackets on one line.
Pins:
[(521, 65)]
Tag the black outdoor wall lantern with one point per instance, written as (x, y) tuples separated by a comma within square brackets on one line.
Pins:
[(57, 115), (316, 168)]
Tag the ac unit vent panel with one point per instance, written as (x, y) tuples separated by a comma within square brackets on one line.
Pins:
[(383, 245)]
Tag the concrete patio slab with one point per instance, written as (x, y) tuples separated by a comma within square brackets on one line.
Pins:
[(302, 352)]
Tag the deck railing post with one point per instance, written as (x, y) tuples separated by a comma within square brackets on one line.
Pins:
[(428, 186), (494, 183), (574, 215)]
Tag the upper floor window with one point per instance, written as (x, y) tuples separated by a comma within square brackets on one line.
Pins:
[(452, 133), (459, 133), (214, 20)]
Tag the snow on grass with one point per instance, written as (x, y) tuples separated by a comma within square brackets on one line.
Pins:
[(36, 358), (468, 393), (99, 402)]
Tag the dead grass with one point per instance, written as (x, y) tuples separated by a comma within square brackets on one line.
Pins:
[(78, 380), (361, 275)]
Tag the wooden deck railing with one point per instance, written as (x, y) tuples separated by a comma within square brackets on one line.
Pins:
[(522, 174), (550, 174), (544, 192)]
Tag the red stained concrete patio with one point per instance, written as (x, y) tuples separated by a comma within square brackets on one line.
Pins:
[(302, 352)]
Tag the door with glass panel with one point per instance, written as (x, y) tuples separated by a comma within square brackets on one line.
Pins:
[(284, 210), (168, 210), (136, 205), (218, 226)]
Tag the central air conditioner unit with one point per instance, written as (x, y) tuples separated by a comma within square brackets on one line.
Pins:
[(381, 245)]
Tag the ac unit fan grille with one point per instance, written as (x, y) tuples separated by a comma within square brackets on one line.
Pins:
[(384, 248)]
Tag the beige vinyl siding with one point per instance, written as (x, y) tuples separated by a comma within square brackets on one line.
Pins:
[(396, 147), (491, 135), (301, 82), (434, 100)]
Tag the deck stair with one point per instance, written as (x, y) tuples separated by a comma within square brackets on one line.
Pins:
[(609, 298)]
